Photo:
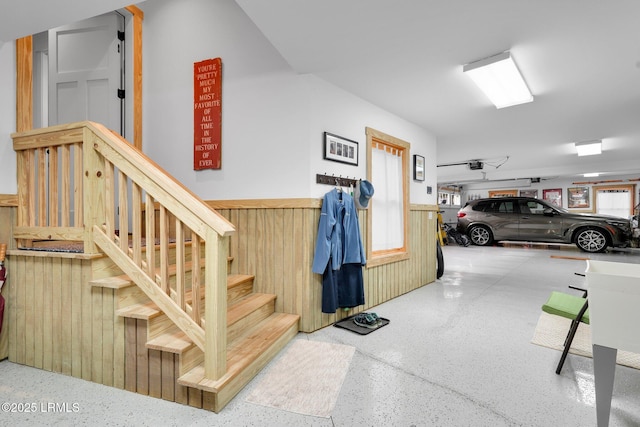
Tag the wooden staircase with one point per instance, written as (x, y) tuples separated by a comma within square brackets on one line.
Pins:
[(255, 334), (147, 327)]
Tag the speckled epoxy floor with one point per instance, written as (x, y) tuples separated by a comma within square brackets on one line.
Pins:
[(456, 353)]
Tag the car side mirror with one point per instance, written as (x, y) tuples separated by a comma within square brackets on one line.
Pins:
[(549, 212)]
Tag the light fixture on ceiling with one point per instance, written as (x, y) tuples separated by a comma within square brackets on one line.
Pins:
[(499, 78), (591, 174), (589, 148)]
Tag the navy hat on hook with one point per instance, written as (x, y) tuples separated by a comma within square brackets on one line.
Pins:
[(364, 192)]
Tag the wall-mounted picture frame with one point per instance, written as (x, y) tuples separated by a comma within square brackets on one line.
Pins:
[(529, 193), (418, 168), (503, 193), (339, 149), (553, 196), (578, 198)]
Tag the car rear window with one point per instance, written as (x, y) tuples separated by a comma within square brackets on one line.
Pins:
[(481, 206)]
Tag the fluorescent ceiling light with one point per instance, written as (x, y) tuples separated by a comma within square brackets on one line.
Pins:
[(589, 148), (499, 78), (591, 174)]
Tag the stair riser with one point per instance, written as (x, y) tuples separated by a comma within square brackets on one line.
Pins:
[(238, 292), (190, 359), (158, 325), (130, 296), (241, 326)]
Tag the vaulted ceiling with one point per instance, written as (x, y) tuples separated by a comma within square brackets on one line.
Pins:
[(580, 58)]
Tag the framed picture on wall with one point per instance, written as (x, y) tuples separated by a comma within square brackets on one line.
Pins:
[(418, 168), (529, 193), (503, 193), (578, 197), (340, 149), (553, 196)]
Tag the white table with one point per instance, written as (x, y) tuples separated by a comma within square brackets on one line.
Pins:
[(614, 314)]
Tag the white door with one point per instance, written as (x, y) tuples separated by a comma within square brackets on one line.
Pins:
[(86, 73)]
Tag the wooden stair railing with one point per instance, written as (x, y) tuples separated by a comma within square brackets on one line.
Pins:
[(81, 182)]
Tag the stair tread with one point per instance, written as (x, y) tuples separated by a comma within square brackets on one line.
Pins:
[(243, 352), (141, 311), (113, 282), (172, 340), (248, 304)]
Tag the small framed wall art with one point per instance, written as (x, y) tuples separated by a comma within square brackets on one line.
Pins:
[(553, 196), (340, 149), (418, 168), (578, 198), (503, 193), (529, 193)]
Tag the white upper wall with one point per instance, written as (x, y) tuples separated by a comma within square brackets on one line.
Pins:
[(273, 119), (8, 176), (263, 152), (339, 112)]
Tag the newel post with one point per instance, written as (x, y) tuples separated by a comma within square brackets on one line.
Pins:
[(92, 189), (215, 311)]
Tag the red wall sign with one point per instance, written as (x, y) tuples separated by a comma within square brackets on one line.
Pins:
[(207, 114)]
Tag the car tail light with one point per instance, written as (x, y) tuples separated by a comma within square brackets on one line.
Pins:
[(461, 214)]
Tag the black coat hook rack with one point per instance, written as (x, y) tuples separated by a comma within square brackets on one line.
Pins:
[(336, 180)]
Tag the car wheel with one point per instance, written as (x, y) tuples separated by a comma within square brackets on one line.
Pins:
[(591, 240), (480, 235)]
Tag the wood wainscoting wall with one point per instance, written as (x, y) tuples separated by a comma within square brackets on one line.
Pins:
[(8, 207), (275, 241), (58, 322)]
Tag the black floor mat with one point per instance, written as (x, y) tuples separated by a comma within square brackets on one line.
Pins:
[(347, 323)]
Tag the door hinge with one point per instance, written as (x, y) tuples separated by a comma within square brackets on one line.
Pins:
[(121, 36), (121, 93)]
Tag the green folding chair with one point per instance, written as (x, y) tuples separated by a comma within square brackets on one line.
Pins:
[(571, 307)]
